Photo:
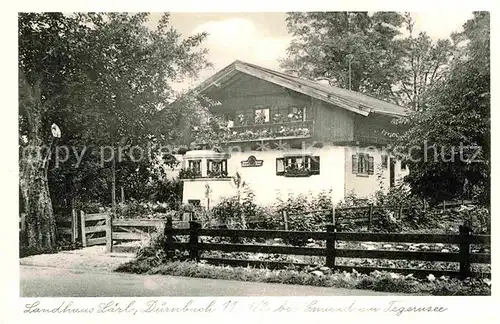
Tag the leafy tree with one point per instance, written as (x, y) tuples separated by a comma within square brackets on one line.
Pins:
[(324, 44), (423, 63), (447, 146), (383, 62), (102, 78)]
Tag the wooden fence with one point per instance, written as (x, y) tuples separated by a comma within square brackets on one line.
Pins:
[(464, 239), (369, 217), (66, 226), (101, 228), (96, 229)]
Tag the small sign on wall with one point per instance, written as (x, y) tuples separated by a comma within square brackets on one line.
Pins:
[(252, 162)]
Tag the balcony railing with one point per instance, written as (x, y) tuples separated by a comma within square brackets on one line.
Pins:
[(293, 129), (380, 140)]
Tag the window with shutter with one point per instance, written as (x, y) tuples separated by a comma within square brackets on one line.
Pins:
[(216, 168), (280, 166), (362, 163), (297, 166), (315, 165), (195, 165), (371, 165), (354, 164)]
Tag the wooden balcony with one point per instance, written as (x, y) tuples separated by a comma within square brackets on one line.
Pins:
[(272, 131), (375, 140)]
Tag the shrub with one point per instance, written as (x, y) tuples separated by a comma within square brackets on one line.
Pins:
[(90, 207), (227, 211), (168, 191), (136, 209), (379, 281)]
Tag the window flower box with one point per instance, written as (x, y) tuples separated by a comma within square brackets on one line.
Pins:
[(297, 174), (217, 174), (187, 173), (292, 172)]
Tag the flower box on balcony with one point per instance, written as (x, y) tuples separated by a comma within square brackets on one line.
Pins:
[(295, 129)]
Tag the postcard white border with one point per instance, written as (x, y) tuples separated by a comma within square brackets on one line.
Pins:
[(466, 309)]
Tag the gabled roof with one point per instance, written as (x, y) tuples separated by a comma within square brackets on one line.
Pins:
[(350, 100)]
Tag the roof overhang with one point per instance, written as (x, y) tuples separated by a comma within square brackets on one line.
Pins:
[(306, 88)]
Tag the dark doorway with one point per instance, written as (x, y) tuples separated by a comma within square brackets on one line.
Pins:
[(392, 166)]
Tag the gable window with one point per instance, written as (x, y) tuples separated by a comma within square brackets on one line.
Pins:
[(261, 115), (216, 168), (297, 166), (362, 163)]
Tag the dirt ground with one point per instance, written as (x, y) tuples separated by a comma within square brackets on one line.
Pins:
[(90, 258)]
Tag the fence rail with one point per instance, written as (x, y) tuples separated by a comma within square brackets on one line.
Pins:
[(101, 228), (369, 209), (336, 214), (66, 225), (464, 239), (136, 229)]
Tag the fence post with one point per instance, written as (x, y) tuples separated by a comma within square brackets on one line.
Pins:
[(465, 239), (82, 222), (74, 226), (370, 215), (285, 220), (194, 229), (330, 245), (109, 233), (169, 238), (400, 211), (444, 206)]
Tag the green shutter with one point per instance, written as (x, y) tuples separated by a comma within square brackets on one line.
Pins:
[(370, 165), (315, 165), (354, 163)]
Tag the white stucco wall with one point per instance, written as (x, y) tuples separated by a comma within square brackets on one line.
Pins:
[(365, 186), (335, 174), (267, 185)]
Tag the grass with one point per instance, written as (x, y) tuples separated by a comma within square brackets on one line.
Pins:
[(378, 281)]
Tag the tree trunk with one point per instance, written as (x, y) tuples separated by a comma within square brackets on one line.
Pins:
[(40, 222)]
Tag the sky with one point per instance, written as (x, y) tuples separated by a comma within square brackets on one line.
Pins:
[(262, 38)]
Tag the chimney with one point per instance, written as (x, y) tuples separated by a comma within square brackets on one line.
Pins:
[(292, 72)]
